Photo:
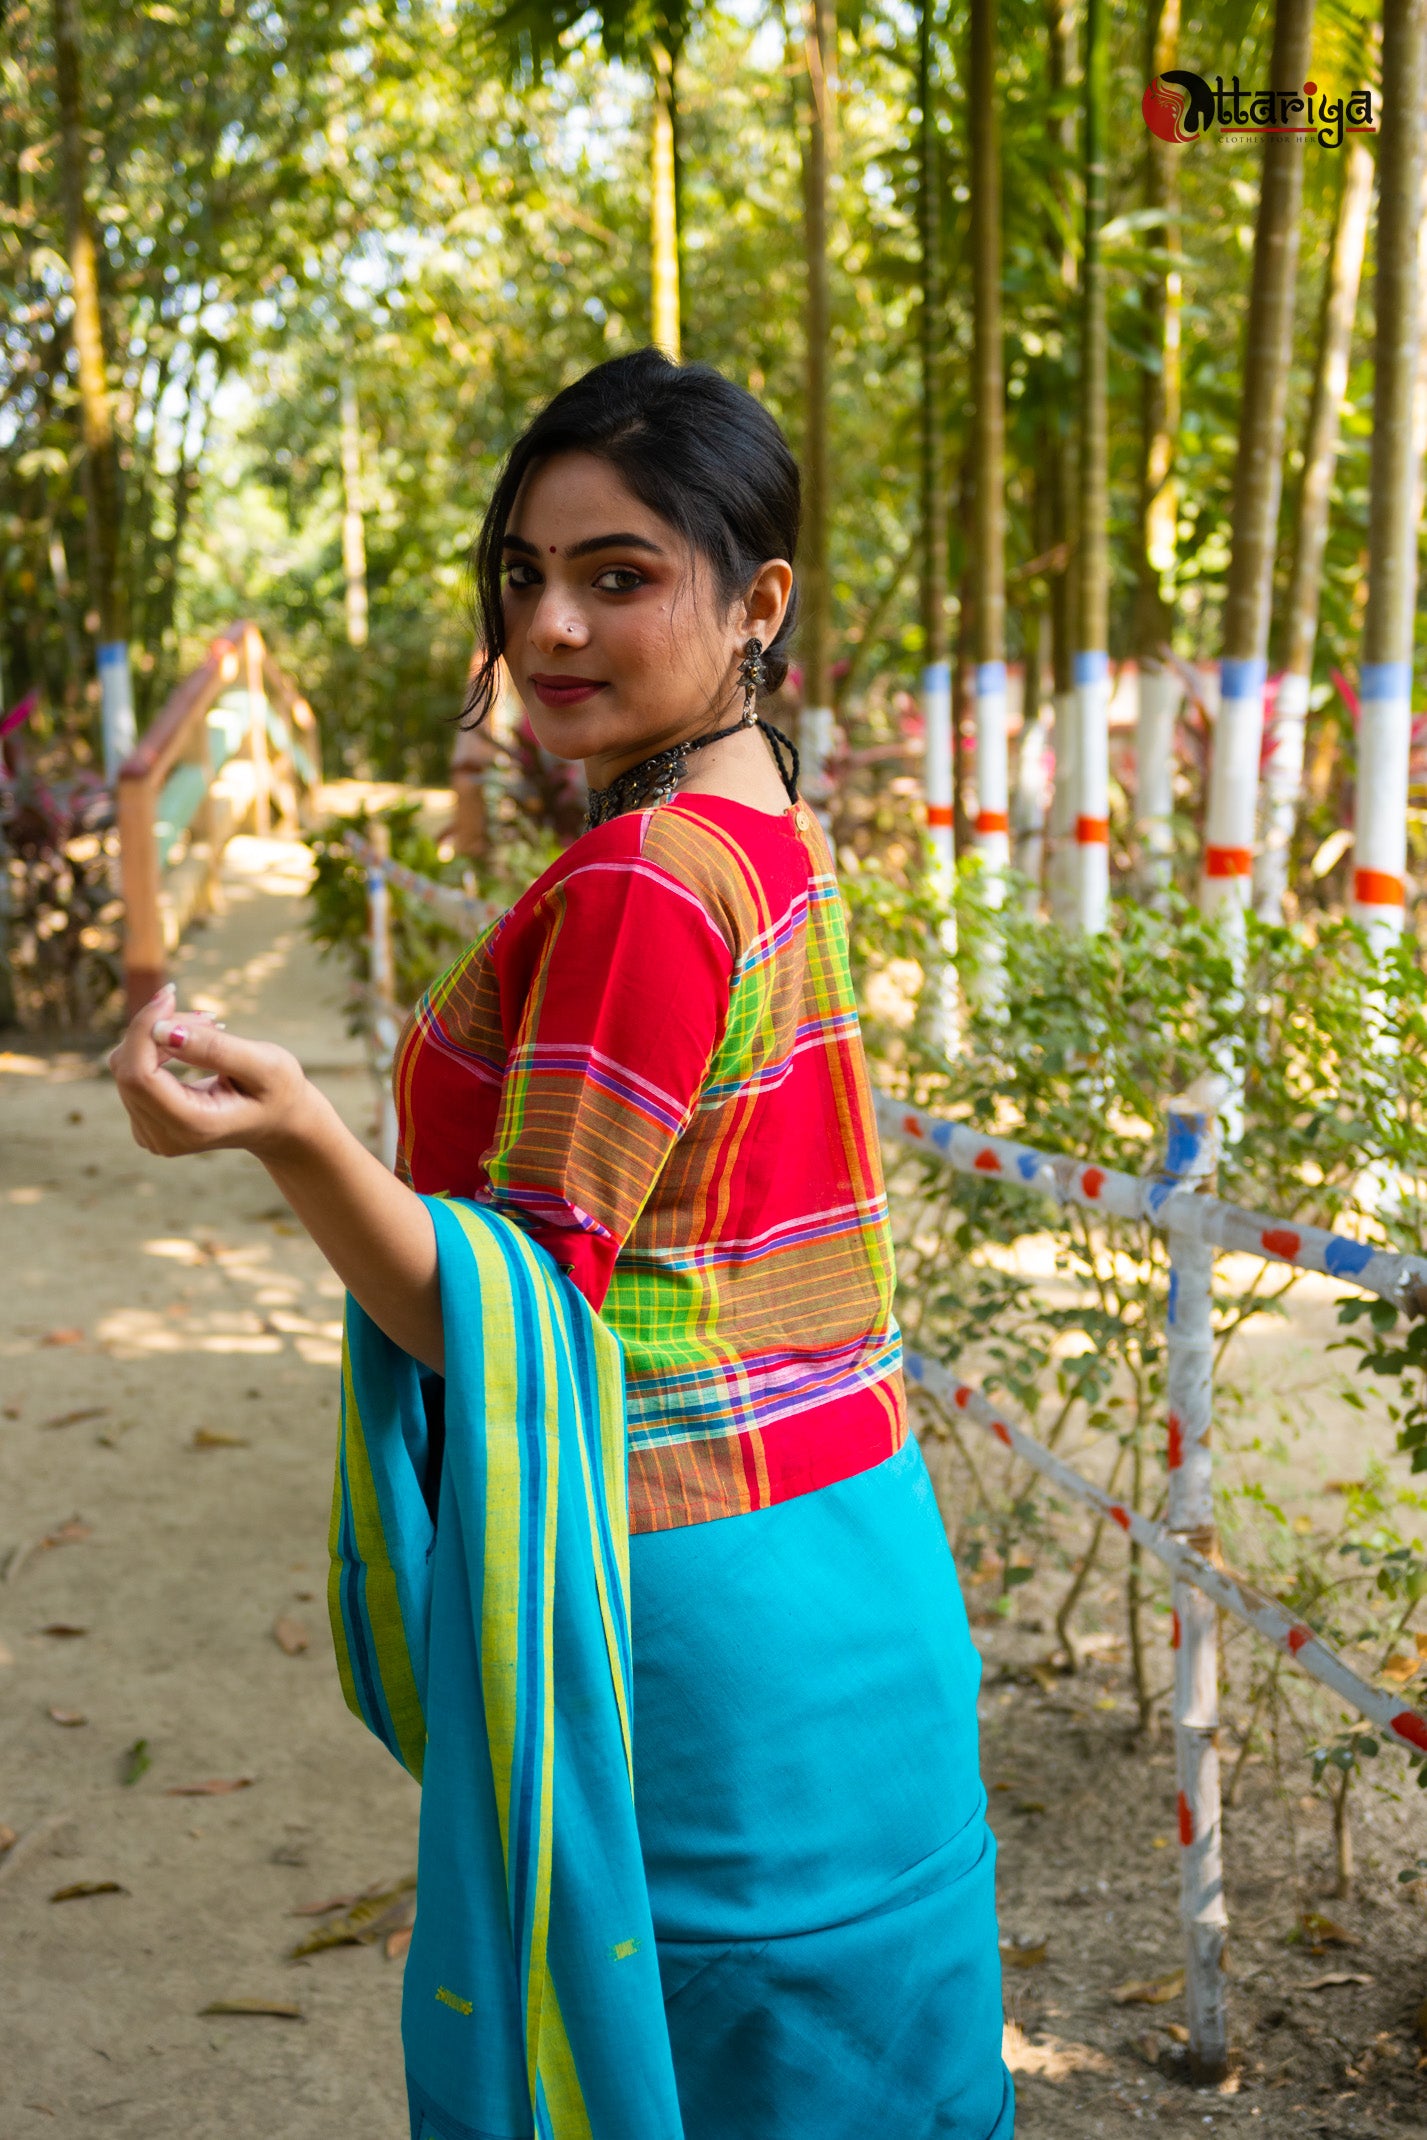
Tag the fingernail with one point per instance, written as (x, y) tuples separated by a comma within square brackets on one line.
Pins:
[(169, 1035), (159, 993)]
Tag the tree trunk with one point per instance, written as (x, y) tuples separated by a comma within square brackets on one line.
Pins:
[(100, 466), (989, 417), (1384, 733), (936, 669), (1258, 479), (1028, 797), (1283, 773), (1062, 465), (818, 144), (1091, 669), (1159, 686), (663, 208), (354, 538)]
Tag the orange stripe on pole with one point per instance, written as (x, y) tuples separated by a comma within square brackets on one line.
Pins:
[(1376, 888), (993, 821), (1228, 862), (1092, 831), (940, 814)]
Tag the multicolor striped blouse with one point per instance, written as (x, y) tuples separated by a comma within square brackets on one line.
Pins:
[(652, 1063)]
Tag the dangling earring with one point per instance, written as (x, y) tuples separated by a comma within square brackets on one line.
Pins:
[(750, 675)]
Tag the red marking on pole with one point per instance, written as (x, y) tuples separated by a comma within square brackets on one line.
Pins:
[(940, 814), (1186, 1821), (1282, 1241), (1175, 1452), (1411, 1727), (1120, 1515), (1092, 831), (993, 821), (1001, 1431), (1296, 1637), (1092, 1181), (1228, 862), (986, 1163), (963, 1398), (1378, 888), (1174, 1630), (912, 1126)]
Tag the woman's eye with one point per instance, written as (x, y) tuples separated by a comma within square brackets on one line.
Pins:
[(521, 576), (619, 579)]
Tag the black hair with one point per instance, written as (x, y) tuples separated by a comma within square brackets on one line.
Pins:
[(688, 444)]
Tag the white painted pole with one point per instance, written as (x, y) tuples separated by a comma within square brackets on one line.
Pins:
[(1380, 808), (993, 818), (1233, 790), (1092, 790), (1060, 873), (1190, 1158), (1160, 693), (1028, 799), (938, 777), (116, 705), (817, 734), (1283, 785)]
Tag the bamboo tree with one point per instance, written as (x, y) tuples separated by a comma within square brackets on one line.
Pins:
[(100, 467), (354, 539), (936, 666), (1091, 660), (1384, 735), (989, 418), (1258, 478), (1159, 687), (819, 144), (1062, 468), (664, 307), (1283, 775)]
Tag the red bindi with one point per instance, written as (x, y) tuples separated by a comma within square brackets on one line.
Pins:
[(552, 549)]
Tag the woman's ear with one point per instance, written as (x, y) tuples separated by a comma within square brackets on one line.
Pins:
[(766, 603)]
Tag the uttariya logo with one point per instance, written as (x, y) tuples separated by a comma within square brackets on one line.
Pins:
[(1180, 106)]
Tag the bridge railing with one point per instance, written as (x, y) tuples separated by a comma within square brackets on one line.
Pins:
[(1176, 1200), (236, 744)]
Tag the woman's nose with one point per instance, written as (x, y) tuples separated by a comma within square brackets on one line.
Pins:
[(558, 622)]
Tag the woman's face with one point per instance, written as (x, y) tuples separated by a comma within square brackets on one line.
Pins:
[(616, 637)]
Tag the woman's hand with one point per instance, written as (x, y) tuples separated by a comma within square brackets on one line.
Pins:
[(254, 1098)]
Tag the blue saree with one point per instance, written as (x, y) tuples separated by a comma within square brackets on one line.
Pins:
[(796, 1940)]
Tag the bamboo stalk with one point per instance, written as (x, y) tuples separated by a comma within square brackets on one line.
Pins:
[(816, 719), (1091, 664), (1384, 734), (354, 536), (989, 415), (381, 977), (1283, 773), (1258, 477), (1062, 463), (938, 776), (664, 321)]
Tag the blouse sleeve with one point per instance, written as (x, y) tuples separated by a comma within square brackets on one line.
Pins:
[(620, 998)]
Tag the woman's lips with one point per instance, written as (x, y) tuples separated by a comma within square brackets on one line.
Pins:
[(564, 690)]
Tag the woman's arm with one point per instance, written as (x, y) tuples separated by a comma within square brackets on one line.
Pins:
[(374, 1231)]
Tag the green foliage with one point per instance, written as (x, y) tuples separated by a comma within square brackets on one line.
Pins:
[(422, 945)]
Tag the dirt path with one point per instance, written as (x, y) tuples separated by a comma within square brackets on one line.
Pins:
[(167, 1359)]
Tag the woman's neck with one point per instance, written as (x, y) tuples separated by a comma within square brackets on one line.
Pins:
[(741, 769)]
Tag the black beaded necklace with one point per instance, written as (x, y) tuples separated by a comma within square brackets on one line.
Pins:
[(656, 780)]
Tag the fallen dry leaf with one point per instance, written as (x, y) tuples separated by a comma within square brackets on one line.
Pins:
[(65, 1628), (7, 1837), (324, 1909), (1026, 1957), (1177, 2030), (72, 1533), (72, 1419), (1149, 1991), (397, 1943), (1317, 1933), (78, 1889), (290, 1636), (7, 1655), (279, 2009), (372, 1917), (211, 1787), (1399, 1668), (136, 1763), (214, 1438), (1028, 1805), (1334, 1977), (63, 1337), (71, 1718)]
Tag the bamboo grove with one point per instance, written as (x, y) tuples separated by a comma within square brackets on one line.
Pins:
[(1136, 418)]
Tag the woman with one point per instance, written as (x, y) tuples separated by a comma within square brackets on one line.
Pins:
[(651, 1067)]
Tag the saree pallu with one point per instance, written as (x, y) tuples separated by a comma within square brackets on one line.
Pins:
[(796, 1939)]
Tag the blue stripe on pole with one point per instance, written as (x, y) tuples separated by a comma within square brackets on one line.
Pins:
[(113, 654), (1386, 680), (1242, 679), (1090, 668), (936, 676), (990, 678)]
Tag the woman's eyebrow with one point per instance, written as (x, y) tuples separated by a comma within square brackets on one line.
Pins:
[(612, 542), (518, 542)]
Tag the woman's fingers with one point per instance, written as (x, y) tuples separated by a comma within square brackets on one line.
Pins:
[(244, 1096)]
